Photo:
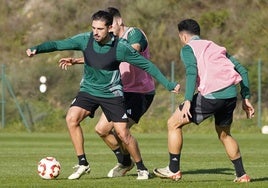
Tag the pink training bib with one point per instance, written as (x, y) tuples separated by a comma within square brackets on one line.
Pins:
[(215, 70), (133, 78)]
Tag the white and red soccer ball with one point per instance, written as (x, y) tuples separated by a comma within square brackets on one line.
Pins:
[(48, 168)]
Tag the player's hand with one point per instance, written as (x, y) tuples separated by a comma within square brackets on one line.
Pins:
[(30, 53), (248, 108), (185, 112), (65, 62), (176, 89)]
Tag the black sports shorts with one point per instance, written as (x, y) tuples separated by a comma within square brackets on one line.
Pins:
[(222, 109), (113, 108), (137, 104)]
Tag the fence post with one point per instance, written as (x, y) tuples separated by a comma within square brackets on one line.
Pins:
[(3, 95), (172, 94), (259, 94), (5, 83)]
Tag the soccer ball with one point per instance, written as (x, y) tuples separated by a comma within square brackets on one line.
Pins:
[(48, 168)]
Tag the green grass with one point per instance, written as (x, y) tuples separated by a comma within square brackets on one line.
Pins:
[(203, 162)]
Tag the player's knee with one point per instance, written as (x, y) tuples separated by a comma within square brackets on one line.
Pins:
[(71, 121), (223, 132), (169, 121), (100, 132), (124, 137), (222, 136), (171, 124)]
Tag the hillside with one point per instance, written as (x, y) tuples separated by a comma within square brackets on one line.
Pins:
[(240, 26)]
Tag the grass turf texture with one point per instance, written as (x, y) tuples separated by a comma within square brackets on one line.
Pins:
[(203, 163)]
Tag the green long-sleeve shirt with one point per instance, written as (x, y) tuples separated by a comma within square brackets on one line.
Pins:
[(190, 63), (99, 82), (135, 36)]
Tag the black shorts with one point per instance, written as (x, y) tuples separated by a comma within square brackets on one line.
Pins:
[(222, 109), (113, 108), (137, 104)]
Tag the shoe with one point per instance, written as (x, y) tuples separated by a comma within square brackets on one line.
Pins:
[(79, 171), (166, 173), (242, 179), (143, 174), (120, 170)]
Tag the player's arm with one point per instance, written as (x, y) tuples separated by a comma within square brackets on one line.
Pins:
[(190, 64), (64, 63), (189, 61), (137, 47), (77, 42), (248, 108), (125, 53), (137, 39), (244, 84)]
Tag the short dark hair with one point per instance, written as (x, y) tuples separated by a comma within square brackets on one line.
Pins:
[(103, 16), (114, 12), (190, 26)]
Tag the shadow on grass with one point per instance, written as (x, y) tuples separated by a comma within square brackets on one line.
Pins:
[(226, 171), (259, 179)]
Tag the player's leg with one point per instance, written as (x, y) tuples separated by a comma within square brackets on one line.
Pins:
[(136, 105), (79, 110), (126, 161), (200, 109), (233, 152), (115, 111), (103, 129), (74, 116), (223, 121), (175, 143), (132, 146), (175, 132), (228, 142)]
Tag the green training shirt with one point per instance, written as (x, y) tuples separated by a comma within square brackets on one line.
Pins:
[(99, 82), (135, 36)]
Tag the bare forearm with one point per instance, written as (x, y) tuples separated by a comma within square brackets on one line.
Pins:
[(79, 60)]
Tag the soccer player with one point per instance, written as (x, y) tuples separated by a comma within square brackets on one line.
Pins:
[(101, 85), (215, 73), (138, 87)]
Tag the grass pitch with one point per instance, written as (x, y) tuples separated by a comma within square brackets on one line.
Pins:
[(203, 162)]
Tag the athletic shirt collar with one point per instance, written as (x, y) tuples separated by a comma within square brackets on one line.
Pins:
[(109, 43), (195, 37)]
